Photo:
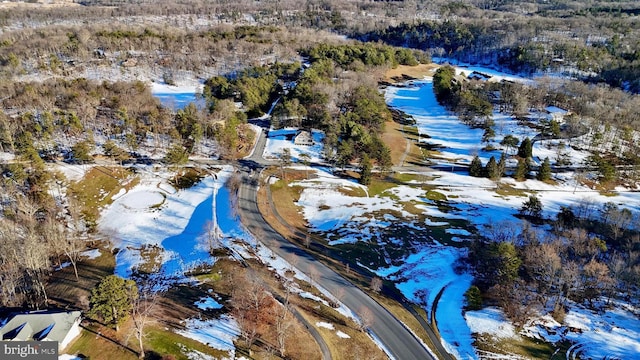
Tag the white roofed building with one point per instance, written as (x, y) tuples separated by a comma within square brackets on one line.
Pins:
[(60, 326)]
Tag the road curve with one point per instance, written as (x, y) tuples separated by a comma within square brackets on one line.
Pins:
[(398, 341)]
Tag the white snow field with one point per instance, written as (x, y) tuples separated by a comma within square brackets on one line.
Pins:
[(177, 97), (154, 214)]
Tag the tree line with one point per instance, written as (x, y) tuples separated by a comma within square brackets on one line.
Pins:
[(591, 254)]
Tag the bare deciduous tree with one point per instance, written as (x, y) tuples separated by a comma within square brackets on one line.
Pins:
[(251, 307), (376, 284), (365, 317), (150, 288), (213, 236)]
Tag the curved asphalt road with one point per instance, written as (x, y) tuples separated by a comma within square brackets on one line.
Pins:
[(399, 342)]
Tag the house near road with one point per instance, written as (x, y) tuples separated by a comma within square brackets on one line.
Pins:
[(60, 326)]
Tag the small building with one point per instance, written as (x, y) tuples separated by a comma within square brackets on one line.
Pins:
[(556, 113), (476, 75), (60, 326), (303, 137)]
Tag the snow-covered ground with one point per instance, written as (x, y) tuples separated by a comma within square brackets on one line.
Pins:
[(476, 199), (218, 334), (430, 269), (173, 223), (612, 334), (284, 139), (154, 215), (178, 96)]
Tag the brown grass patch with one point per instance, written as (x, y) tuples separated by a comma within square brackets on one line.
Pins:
[(417, 72), (358, 346), (284, 198), (96, 345), (406, 317), (395, 139), (97, 188), (65, 291)]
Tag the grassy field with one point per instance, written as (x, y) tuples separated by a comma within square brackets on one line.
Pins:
[(97, 188), (402, 140), (523, 346), (364, 252), (417, 72)]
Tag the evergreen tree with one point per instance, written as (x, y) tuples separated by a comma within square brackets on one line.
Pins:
[(476, 169), (112, 300), (365, 170), (81, 152), (502, 164), (532, 207), (544, 173), (491, 170), (525, 150), (177, 155), (443, 84), (522, 169), (488, 134), (554, 128), (510, 142), (474, 298)]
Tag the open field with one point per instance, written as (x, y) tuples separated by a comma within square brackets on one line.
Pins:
[(416, 72)]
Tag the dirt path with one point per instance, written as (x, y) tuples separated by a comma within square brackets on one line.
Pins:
[(406, 151)]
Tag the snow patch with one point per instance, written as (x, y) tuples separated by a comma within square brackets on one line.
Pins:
[(325, 325), (207, 303), (217, 333), (490, 321)]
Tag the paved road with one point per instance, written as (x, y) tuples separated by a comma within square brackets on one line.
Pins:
[(399, 342)]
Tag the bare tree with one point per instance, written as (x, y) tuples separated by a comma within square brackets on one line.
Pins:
[(314, 274), (213, 235), (306, 161), (338, 295), (284, 160), (307, 240), (284, 321), (376, 284), (150, 288), (366, 318), (251, 303), (293, 261), (233, 185), (65, 241)]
